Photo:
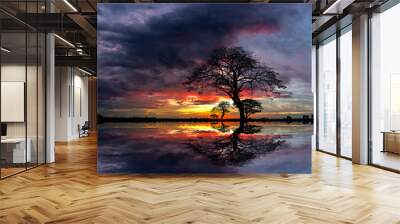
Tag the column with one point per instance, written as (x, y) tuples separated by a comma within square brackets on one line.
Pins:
[(360, 90)]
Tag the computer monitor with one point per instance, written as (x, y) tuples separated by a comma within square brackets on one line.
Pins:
[(3, 129)]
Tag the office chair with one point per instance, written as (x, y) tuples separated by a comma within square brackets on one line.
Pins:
[(84, 130)]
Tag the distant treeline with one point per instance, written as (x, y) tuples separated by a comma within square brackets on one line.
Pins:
[(101, 119)]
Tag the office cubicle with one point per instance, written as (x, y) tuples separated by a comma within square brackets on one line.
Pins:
[(22, 88)]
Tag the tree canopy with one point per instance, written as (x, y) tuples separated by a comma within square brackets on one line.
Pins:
[(233, 71), (251, 107), (222, 109)]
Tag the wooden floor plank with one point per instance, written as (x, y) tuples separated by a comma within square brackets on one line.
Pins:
[(70, 191)]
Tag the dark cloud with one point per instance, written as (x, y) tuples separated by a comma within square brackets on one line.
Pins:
[(176, 39), (151, 47)]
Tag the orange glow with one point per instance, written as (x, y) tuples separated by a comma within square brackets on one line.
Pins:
[(187, 131), (196, 109), (170, 103)]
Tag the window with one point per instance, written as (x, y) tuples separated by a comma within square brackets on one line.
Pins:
[(334, 106), (346, 92), (327, 95), (385, 89)]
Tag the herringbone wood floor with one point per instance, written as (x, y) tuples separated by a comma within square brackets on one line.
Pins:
[(70, 191)]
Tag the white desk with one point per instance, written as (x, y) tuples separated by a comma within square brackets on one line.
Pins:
[(19, 153)]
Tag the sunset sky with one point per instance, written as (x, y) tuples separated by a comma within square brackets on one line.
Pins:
[(145, 51)]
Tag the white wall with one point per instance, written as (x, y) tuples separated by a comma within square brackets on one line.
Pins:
[(80, 110), (17, 73), (14, 72), (62, 82), (33, 126), (71, 102)]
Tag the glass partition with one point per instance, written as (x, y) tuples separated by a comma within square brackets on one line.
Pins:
[(22, 78), (41, 96), (13, 109), (327, 95), (334, 92), (31, 98)]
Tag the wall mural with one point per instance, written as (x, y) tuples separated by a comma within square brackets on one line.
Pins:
[(204, 88)]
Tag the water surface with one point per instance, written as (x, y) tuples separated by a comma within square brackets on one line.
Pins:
[(201, 147)]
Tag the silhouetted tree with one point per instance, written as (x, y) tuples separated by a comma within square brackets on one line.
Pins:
[(222, 109), (221, 127), (235, 150), (214, 116), (251, 107), (233, 71)]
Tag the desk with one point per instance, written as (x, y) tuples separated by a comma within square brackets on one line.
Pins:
[(19, 155), (391, 141)]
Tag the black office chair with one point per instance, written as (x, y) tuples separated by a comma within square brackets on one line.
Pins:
[(84, 130)]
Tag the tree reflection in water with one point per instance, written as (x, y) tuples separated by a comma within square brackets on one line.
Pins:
[(235, 149)]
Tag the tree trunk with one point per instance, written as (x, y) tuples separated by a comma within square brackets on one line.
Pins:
[(238, 103), (235, 138), (246, 117), (241, 112)]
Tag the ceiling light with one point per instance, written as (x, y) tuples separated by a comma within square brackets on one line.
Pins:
[(338, 6), (84, 71), (65, 41), (331, 7), (5, 50), (79, 51), (70, 5)]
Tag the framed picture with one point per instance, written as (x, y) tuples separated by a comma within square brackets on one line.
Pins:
[(204, 88)]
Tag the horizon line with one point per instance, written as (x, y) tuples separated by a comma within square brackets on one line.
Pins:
[(309, 116)]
